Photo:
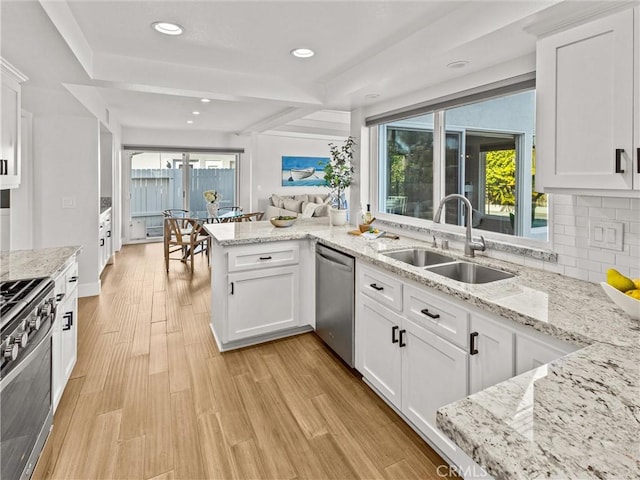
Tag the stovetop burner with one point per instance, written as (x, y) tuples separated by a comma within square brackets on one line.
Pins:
[(16, 295)]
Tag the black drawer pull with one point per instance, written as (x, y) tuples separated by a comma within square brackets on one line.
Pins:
[(619, 152), (266, 258), (109, 233), (473, 349), (73, 279), (394, 330), (426, 312), (231, 288), (69, 317), (402, 344), (638, 159), (59, 297), (102, 242), (376, 287)]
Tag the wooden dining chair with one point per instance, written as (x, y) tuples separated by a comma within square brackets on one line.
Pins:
[(184, 235), (250, 217), (175, 212)]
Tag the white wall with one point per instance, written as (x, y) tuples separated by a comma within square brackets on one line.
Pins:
[(65, 156), (267, 164), (106, 162)]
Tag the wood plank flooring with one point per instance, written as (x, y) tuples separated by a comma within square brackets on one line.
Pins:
[(151, 397)]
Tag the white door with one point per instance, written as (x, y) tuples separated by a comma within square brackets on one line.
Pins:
[(491, 353), (378, 355), (262, 301), (584, 83), (434, 373)]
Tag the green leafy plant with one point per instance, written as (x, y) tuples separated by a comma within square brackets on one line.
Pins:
[(338, 171)]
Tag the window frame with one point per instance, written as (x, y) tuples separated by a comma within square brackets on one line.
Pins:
[(523, 175)]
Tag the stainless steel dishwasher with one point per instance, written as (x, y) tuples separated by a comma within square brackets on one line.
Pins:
[(335, 284)]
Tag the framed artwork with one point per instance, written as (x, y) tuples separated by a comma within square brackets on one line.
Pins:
[(303, 171)]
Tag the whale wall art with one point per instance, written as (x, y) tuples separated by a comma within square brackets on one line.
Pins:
[(303, 171)]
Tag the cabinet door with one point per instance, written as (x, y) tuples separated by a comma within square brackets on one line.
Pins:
[(57, 369), (584, 83), (636, 96), (69, 335), (434, 373), (531, 353), (491, 358), (262, 301), (378, 356), (10, 135)]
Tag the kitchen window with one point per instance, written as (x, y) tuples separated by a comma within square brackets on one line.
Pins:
[(483, 149)]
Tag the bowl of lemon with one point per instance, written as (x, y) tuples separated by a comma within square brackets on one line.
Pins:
[(624, 292)]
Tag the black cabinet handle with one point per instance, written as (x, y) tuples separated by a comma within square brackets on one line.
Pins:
[(69, 317), (73, 279), (59, 297), (619, 152), (266, 258), (426, 312), (402, 344), (638, 159), (102, 242), (376, 287), (109, 233), (473, 350), (394, 330), (231, 288)]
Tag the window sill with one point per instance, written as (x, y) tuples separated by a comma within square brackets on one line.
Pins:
[(457, 234)]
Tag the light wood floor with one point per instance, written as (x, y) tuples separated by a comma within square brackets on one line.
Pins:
[(152, 398)]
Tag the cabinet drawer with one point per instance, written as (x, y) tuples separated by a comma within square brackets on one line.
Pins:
[(381, 287), (438, 315), (71, 278), (268, 255)]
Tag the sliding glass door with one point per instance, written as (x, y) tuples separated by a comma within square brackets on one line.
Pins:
[(162, 180)]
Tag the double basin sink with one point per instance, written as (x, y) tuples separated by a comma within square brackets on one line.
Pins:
[(449, 267)]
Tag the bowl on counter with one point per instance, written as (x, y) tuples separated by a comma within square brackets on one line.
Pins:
[(282, 221), (629, 304)]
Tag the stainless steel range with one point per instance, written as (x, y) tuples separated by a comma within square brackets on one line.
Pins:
[(27, 313)]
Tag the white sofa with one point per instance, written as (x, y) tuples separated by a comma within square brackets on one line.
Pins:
[(313, 205)]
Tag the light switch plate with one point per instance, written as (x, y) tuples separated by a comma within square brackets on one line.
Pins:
[(68, 202), (608, 235)]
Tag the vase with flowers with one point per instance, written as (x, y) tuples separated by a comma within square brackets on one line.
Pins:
[(337, 174), (213, 198)]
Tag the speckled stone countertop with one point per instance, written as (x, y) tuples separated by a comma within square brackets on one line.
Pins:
[(577, 417), (44, 262)]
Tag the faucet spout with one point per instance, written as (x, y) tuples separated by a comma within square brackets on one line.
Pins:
[(470, 246)]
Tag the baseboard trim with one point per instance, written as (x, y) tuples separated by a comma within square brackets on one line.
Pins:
[(89, 289), (246, 342)]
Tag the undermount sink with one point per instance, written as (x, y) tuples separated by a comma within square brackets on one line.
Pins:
[(418, 257), (470, 272)]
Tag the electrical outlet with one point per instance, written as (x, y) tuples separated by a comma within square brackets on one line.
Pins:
[(607, 235)]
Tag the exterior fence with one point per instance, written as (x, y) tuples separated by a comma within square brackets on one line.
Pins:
[(154, 190)]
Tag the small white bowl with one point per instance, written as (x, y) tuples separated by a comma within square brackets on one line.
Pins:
[(282, 223), (629, 304)]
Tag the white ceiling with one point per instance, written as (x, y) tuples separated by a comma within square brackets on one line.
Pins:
[(237, 54)]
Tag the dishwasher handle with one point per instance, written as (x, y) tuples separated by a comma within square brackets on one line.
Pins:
[(334, 264)]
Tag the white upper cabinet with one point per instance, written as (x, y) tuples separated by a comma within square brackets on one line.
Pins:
[(10, 127), (586, 107)]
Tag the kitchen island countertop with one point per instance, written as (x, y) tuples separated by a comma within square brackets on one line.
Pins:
[(577, 417), (43, 262)]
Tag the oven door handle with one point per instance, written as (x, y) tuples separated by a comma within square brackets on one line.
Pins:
[(24, 361)]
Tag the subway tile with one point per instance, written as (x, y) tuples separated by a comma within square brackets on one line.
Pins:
[(589, 265), (553, 267), (564, 240), (635, 204), (602, 256), (608, 213), (628, 214), (632, 239), (564, 219), (582, 221), (597, 277), (589, 201), (634, 227), (557, 199), (567, 261), (533, 263), (628, 261), (610, 202), (564, 210), (576, 273)]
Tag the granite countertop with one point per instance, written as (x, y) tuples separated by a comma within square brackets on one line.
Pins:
[(577, 417), (44, 262)]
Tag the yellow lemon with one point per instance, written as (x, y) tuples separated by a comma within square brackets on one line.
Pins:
[(619, 281), (636, 282), (635, 293)]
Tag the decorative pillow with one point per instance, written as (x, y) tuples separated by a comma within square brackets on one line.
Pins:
[(319, 199), (309, 209), (277, 201), (321, 210), (293, 205), (303, 198)]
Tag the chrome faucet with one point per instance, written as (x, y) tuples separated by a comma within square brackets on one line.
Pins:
[(470, 246)]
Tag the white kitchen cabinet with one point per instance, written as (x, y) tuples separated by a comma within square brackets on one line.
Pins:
[(65, 329), (533, 351), (260, 292), (105, 239), (378, 356), (586, 107), (10, 125), (262, 301), (491, 353)]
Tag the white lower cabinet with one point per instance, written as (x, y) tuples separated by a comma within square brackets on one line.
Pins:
[(491, 353), (262, 301), (532, 352), (65, 330)]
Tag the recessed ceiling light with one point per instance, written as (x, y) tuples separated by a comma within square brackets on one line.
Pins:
[(196, 113), (302, 52), (205, 100), (458, 64), (189, 121), (167, 28)]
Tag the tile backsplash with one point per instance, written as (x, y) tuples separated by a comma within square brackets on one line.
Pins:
[(578, 259)]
